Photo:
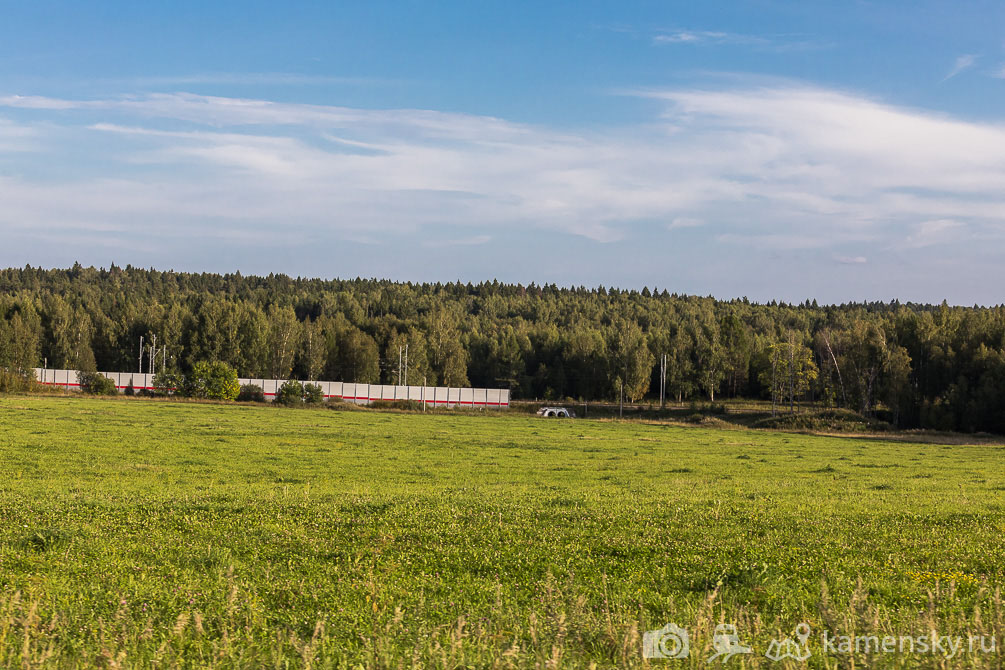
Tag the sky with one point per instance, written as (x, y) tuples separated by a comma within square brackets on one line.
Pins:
[(837, 151)]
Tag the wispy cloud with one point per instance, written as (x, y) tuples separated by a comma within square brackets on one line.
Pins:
[(939, 231), (718, 37), (850, 260), (472, 241), (964, 62), (776, 241), (235, 112), (15, 136), (38, 102), (250, 79), (696, 37), (685, 222), (775, 168)]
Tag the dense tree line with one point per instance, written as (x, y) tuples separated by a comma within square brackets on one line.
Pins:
[(931, 366)]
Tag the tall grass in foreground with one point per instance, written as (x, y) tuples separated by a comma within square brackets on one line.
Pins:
[(160, 535), (564, 633)]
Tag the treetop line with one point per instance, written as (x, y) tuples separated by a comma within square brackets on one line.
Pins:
[(933, 366)]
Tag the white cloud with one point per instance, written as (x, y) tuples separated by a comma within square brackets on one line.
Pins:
[(237, 112), (37, 102), (825, 143), (939, 231), (690, 37), (777, 167), (250, 78), (964, 62), (685, 222), (850, 260), (718, 37), (774, 241), (472, 241), (15, 137)]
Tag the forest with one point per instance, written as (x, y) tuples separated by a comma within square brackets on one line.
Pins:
[(918, 366)]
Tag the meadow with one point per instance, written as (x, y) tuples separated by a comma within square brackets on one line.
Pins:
[(155, 534)]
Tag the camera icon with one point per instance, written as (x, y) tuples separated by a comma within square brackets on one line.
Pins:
[(671, 641)]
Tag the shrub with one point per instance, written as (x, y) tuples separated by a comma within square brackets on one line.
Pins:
[(215, 380), (341, 404), (829, 420), (16, 381), (313, 395), (291, 393), (130, 389), (251, 393), (96, 383), (168, 383), (696, 417)]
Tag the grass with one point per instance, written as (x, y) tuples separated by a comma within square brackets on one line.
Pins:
[(162, 534)]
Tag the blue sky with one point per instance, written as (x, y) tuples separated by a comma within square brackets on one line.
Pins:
[(776, 150)]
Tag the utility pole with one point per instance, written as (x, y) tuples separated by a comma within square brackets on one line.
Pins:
[(399, 365), (141, 355), (153, 355), (164, 359), (621, 399), (423, 393), (663, 380), (406, 365)]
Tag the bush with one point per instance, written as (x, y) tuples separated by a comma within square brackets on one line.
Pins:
[(295, 394), (829, 420), (96, 383), (215, 380), (313, 395), (291, 393), (341, 404), (711, 408), (167, 383), (16, 381), (251, 393)]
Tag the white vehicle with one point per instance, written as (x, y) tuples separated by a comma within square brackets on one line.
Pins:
[(559, 412)]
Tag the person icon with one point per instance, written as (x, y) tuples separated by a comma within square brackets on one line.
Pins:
[(789, 648), (726, 643)]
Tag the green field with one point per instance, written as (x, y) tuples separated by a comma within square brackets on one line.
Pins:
[(140, 533)]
